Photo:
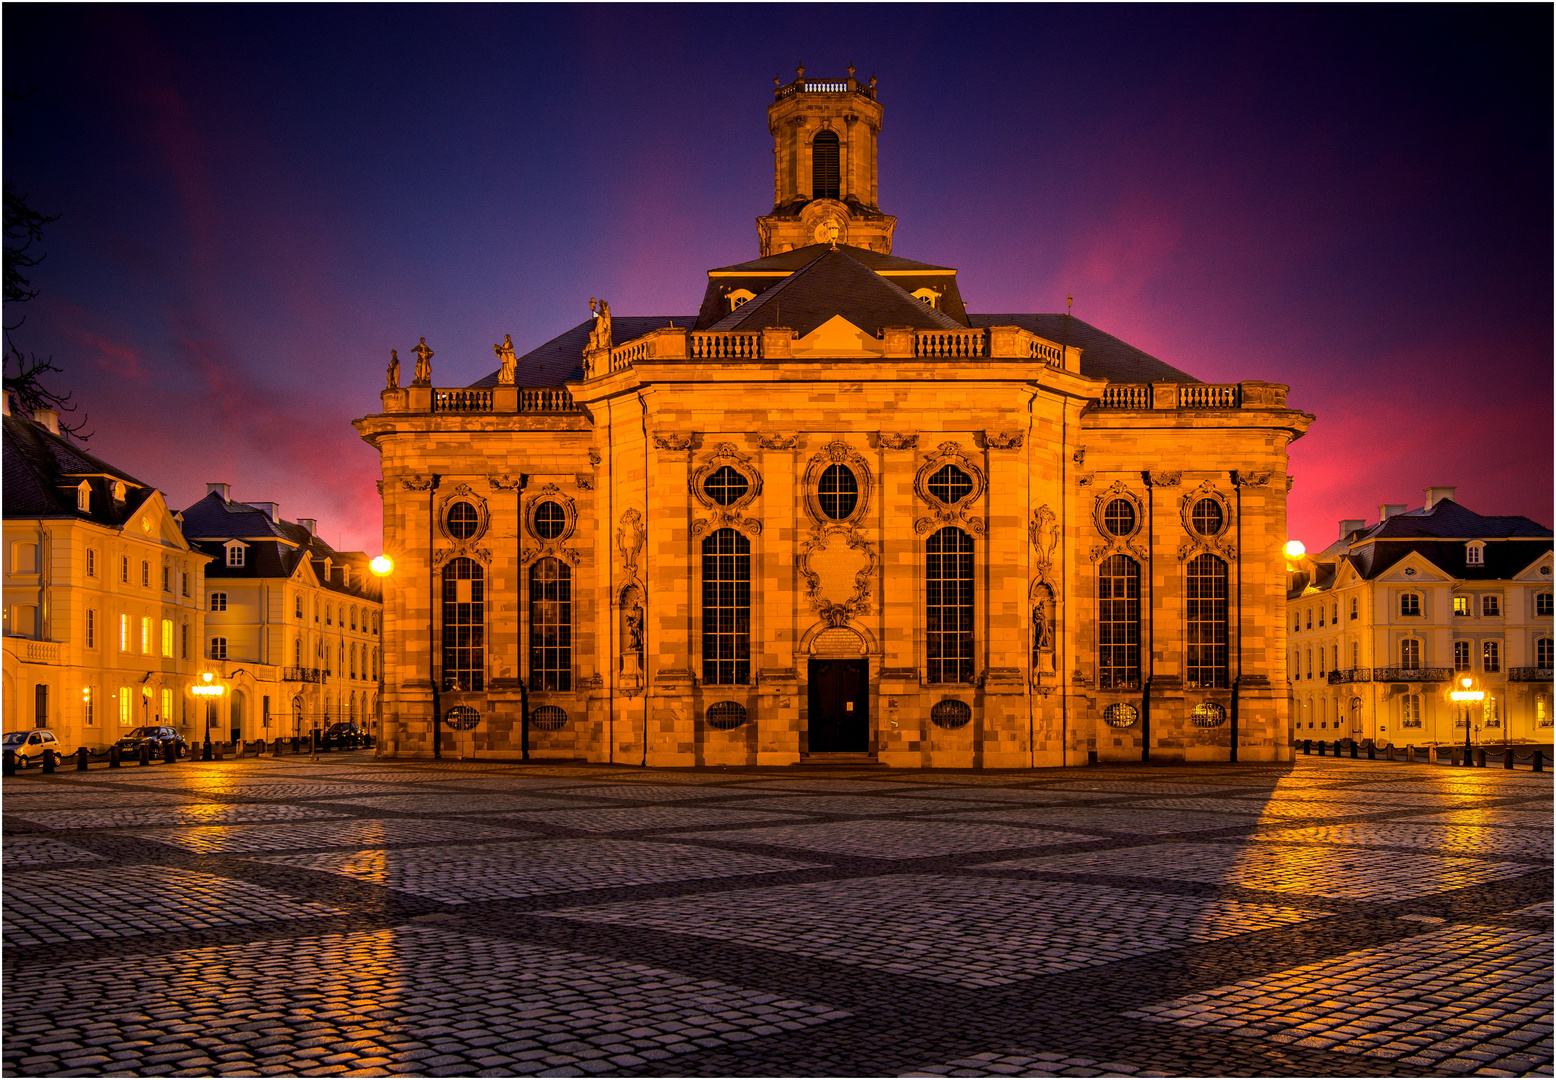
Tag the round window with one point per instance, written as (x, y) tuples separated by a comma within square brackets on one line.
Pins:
[(462, 718), (548, 718), (725, 486), (838, 492), (1207, 517), (1208, 714), (1118, 517), (462, 521), (1120, 715), (950, 713), (550, 520), (950, 485), (726, 715)]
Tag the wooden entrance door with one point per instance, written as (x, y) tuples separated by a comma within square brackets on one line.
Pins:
[(839, 707)]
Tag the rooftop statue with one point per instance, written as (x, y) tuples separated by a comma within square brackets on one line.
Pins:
[(505, 357), (423, 364), (600, 336), (394, 370)]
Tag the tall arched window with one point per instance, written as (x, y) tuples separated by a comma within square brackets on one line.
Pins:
[(1206, 594), (825, 176), (550, 625), (1118, 623), (948, 595), (464, 625), (726, 609), (353, 667)]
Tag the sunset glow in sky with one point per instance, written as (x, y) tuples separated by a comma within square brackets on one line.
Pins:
[(257, 203)]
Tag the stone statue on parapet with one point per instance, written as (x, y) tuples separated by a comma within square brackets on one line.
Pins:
[(394, 370), (600, 336), (510, 364), (423, 364)]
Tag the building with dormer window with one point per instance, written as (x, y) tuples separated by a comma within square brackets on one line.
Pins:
[(1405, 607), (832, 515)]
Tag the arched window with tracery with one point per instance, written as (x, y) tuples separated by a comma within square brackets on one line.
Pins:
[(1207, 622), (550, 625), (464, 625), (1118, 623), (948, 615), (826, 176), (726, 609)]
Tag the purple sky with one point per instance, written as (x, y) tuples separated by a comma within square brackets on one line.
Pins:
[(257, 203)]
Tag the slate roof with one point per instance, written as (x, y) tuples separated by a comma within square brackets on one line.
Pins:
[(560, 360), (804, 256), (275, 548), (835, 283), (41, 471), (1103, 356)]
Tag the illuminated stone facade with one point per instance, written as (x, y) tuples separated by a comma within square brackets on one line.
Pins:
[(833, 515)]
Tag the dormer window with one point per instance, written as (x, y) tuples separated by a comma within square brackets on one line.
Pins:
[(1475, 553), (737, 297), (84, 497), (235, 554), (118, 491), (928, 297)]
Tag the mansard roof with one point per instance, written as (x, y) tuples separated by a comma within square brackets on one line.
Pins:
[(274, 548), (560, 360), (42, 471), (1103, 356), (799, 257), (1447, 519)]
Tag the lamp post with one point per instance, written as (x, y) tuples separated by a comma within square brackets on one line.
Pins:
[(382, 566), (208, 689), (1466, 696)]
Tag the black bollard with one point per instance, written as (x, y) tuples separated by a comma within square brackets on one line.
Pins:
[(10, 763), (1480, 759), (82, 756), (145, 753), (113, 756), (1507, 758), (1539, 762), (1372, 752), (1307, 747), (48, 761), (170, 752), (205, 752), (1320, 747), (1353, 750), (220, 746)]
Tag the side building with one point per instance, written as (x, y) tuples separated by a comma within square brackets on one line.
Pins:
[(1388, 617), (292, 624), (102, 594)]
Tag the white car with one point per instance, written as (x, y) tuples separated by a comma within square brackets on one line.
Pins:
[(30, 745)]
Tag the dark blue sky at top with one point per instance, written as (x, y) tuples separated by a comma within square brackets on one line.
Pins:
[(257, 203)]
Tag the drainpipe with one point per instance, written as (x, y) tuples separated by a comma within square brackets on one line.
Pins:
[(1237, 684)]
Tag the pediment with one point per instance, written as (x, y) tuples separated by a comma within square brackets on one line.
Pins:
[(1415, 568), (837, 337), (1540, 570)]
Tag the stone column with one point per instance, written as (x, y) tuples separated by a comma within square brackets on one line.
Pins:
[(410, 679), (672, 581), (785, 613), (1006, 623), (902, 719)]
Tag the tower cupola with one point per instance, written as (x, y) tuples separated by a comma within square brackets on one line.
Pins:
[(824, 166)]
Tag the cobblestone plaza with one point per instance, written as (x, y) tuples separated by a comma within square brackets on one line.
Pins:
[(283, 916)]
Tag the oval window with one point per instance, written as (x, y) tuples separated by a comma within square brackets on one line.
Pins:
[(725, 486), (726, 715), (950, 485), (838, 492), (1120, 715), (951, 714), (550, 520), (1208, 714), (1119, 517), (1207, 517), (548, 718), (462, 718), (462, 521)]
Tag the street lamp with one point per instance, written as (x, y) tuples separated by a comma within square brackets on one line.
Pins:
[(1466, 697), (210, 690)]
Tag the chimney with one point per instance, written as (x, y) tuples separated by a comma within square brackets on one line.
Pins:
[(272, 510), (48, 418), (1350, 525), (219, 489), (1434, 495), (1388, 510), (311, 524)]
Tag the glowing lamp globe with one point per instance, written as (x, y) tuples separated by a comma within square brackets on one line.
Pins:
[(382, 565), (1295, 549)]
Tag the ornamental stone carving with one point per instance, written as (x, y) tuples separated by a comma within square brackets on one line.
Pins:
[(462, 494), (837, 452), (892, 440), (1157, 478), (594, 457), (942, 513), (1004, 440), (551, 546), (1125, 543), (837, 564), (1248, 479), (778, 442), (674, 441), (1217, 540), (418, 483), (505, 482), (732, 513)]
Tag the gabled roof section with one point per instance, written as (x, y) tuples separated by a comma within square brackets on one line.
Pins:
[(1103, 356), (214, 518), (1447, 519), (560, 360), (834, 283), (41, 471)]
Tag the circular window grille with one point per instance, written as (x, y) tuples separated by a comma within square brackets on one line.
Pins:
[(838, 492), (726, 715), (1119, 517), (548, 718), (462, 718), (725, 486), (1207, 517), (462, 521), (1208, 714), (550, 520), (1120, 715), (950, 713), (950, 485)]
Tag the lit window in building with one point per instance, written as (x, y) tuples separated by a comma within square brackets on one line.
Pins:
[(726, 607)]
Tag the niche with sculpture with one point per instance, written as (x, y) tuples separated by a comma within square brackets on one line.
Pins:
[(630, 609), (1042, 631)]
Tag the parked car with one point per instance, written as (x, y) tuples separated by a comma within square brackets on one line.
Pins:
[(346, 734), (157, 737), (30, 745)]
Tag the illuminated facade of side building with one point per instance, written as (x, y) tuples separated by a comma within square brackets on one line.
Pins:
[(832, 515)]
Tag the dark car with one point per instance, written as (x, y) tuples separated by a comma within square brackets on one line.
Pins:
[(347, 735), (30, 745), (157, 738)]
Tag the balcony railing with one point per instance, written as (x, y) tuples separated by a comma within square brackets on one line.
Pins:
[(1350, 675), (1425, 674), (462, 400), (546, 399), (1125, 396), (1531, 674), (303, 674), (1167, 395), (43, 652), (724, 346), (951, 343), (806, 86), (1207, 396)]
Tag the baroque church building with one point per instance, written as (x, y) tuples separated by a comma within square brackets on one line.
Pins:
[(834, 516)]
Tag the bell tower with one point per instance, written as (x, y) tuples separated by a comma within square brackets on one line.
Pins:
[(824, 166)]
